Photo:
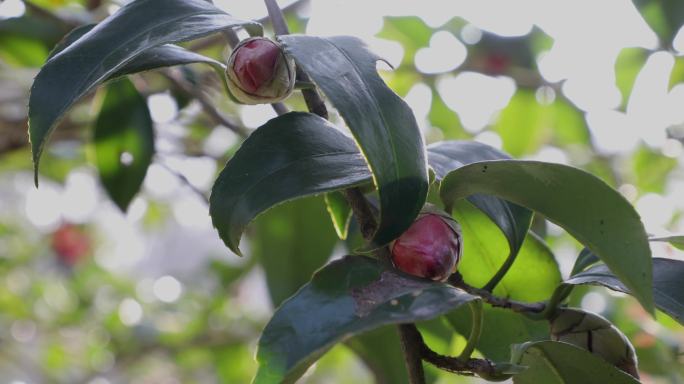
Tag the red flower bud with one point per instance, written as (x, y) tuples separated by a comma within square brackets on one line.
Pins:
[(259, 72), (70, 244), (430, 248)]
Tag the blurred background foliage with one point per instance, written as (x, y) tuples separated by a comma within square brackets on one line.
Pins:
[(90, 294)]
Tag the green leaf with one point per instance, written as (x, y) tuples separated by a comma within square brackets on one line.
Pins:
[(521, 124), (512, 219), (591, 211), (26, 40), (340, 212), (525, 124), (677, 241), (123, 141), (501, 328), (668, 284), (444, 118), (102, 52), (22, 51), (627, 67), (158, 57), (485, 250), (292, 241), (347, 297), (293, 155), (651, 169), (551, 362), (410, 31), (382, 124)]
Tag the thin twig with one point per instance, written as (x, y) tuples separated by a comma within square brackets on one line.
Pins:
[(516, 306), (185, 181), (468, 367), (362, 210), (206, 104)]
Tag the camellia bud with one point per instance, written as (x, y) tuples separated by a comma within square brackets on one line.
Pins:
[(430, 248), (597, 335), (259, 72)]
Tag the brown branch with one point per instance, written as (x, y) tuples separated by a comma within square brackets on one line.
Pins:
[(516, 306), (469, 367), (185, 182), (362, 210), (411, 341)]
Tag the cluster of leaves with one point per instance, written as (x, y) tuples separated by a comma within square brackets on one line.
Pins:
[(300, 154)]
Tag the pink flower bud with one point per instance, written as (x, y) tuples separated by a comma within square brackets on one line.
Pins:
[(430, 248), (259, 72)]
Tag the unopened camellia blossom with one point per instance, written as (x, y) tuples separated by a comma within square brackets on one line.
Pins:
[(259, 72), (430, 248)]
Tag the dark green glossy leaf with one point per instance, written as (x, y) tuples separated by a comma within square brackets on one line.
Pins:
[(158, 57), (551, 362), (677, 241), (349, 296), (382, 124), (512, 219), (501, 328), (380, 349), (485, 250), (291, 156), (292, 241), (584, 260), (124, 142), (590, 210), (668, 284), (340, 212), (102, 52)]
